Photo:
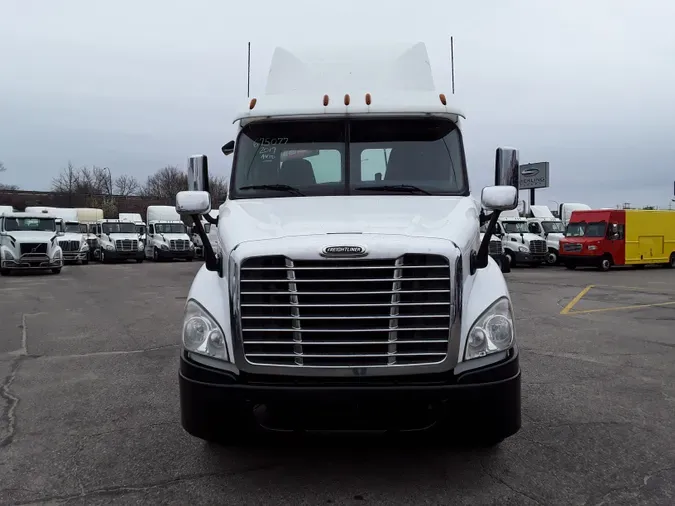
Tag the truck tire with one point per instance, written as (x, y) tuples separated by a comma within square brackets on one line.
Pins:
[(552, 257), (505, 265), (155, 255), (102, 257), (57, 270), (510, 258), (605, 263), (671, 262)]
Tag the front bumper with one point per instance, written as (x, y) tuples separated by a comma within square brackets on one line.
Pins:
[(484, 399), (530, 258), (124, 255), (26, 262), (169, 254), (75, 256), (581, 260)]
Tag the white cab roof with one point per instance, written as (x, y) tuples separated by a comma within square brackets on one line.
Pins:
[(397, 77)]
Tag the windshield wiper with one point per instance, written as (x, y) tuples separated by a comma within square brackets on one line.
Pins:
[(409, 188), (277, 187)]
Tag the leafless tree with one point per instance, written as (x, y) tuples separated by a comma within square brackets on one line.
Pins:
[(66, 181), (126, 185), (165, 183), (218, 189)]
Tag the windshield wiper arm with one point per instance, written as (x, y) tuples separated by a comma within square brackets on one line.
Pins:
[(409, 188), (277, 187)]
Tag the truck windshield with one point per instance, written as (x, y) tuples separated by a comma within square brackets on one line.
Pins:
[(515, 227), (119, 228), (343, 157), (30, 224), (170, 228), (583, 229), (553, 227), (72, 228)]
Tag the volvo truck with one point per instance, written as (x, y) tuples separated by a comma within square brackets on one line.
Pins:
[(29, 240), (352, 288)]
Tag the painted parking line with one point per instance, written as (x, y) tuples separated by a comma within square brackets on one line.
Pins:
[(570, 305), (568, 309)]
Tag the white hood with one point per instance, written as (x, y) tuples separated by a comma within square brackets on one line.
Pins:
[(32, 236), (71, 236), (173, 237), (516, 236), (120, 237), (409, 215)]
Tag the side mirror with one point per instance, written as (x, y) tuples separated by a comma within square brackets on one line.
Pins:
[(193, 202), (228, 148), (499, 198), (207, 227), (198, 174), (507, 169)]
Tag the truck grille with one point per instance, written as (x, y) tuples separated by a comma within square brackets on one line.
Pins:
[(179, 245), (34, 247), (495, 248), (126, 245), (538, 246), (345, 313), (574, 246), (70, 245)]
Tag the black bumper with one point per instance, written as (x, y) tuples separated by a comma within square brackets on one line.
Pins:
[(530, 258), (581, 260), (484, 399), (170, 255), (124, 255)]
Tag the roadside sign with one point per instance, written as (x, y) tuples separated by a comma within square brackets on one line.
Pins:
[(533, 175)]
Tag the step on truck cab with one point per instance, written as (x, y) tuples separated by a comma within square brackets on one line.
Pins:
[(29, 240), (167, 235), (118, 241), (614, 237), (520, 246), (541, 222), (352, 290)]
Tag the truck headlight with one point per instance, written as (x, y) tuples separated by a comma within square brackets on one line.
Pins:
[(140, 246), (523, 249), (164, 247), (592, 248), (109, 247), (8, 255), (201, 332), (57, 255), (85, 247), (492, 332)]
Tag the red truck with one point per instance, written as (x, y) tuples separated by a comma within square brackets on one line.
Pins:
[(608, 237)]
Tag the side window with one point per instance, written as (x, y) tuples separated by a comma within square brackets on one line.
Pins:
[(374, 164), (327, 166), (620, 230), (151, 229)]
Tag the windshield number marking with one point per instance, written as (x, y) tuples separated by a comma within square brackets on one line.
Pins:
[(269, 141)]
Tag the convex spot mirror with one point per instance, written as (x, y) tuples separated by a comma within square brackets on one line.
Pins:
[(499, 198), (193, 202)]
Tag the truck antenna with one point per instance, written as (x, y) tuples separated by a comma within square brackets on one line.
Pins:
[(452, 62), (248, 82)]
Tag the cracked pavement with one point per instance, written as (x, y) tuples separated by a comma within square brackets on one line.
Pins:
[(89, 404)]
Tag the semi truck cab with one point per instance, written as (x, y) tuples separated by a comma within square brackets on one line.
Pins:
[(29, 240), (521, 246), (118, 241), (351, 279)]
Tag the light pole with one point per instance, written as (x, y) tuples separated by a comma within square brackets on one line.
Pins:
[(109, 185)]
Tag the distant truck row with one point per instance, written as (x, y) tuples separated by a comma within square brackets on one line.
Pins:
[(49, 237)]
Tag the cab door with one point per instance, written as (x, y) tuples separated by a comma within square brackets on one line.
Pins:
[(149, 236)]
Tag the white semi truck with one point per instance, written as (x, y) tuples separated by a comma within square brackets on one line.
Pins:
[(520, 246), (167, 235), (29, 240), (118, 241), (541, 222), (141, 227), (73, 241), (351, 279)]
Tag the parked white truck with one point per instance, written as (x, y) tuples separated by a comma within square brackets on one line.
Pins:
[(141, 227), (88, 218), (73, 240), (167, 235), (541, 222), (566, 209), (520, 246), (353, 277), (118, 241), (28, 240)]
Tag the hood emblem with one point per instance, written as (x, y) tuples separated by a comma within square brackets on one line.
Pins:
[(343, 251)]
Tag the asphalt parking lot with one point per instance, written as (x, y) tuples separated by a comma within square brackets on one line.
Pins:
[(89, 403)]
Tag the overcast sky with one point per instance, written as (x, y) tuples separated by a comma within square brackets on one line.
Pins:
[(136, 85)]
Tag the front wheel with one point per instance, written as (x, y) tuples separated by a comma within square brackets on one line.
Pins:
[(510, 258), (103, 258), (605, 264), (155, 255), (671, 262), (56, 270), (552, 257)]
